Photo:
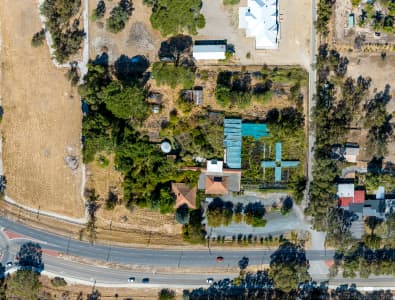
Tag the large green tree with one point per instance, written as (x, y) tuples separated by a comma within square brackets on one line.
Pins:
[(127, 103), (289, 267), (176, 16)]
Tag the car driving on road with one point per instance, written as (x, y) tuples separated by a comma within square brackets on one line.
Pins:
[(131, 279), (145, 280)]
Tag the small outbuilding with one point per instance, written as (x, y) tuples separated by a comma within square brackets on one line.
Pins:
[(194, 96), (208, 49), (184, 195)]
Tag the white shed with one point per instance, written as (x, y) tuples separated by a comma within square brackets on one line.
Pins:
[(209, 51)]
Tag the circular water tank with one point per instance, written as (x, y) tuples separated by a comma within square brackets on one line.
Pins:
[(165, 147)]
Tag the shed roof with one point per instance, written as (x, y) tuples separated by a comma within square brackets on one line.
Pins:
[(209, 51), (359, 196), (345, 190), (184, 194)]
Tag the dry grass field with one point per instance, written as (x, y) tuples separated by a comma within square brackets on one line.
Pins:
[(74, 291), (381, 71), (42, 118)]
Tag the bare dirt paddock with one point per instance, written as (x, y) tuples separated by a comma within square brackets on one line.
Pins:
[(42, 122)]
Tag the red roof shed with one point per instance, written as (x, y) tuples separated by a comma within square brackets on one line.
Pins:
[(359, 196)]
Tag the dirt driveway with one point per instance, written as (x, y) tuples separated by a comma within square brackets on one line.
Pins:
[(42, 118), (295, 30)]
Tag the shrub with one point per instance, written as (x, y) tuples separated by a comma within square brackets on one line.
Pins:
[(38, 38), (99, 11), (58, 281), (182, 214)]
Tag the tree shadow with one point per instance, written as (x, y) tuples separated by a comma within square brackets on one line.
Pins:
[(101, 60), (288, 253), (131, 69)]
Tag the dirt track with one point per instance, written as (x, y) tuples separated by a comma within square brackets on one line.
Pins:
[(42, 118)]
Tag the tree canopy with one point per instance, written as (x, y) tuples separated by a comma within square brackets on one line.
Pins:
[(176, 16), (289, 267), (127, 103), (24, 284)]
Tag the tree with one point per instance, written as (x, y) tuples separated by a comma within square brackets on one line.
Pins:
[(289, 267), (182, 214), (30, 256), (287, 205), (253, 214), (126, 103), (95, 295), (372, 222), (172, 75), (194, 231), (73, 74), (99, 11), (243, 263), (24, 284), (63, 24), (176, 16), (38, 38), (117, 20), (178, 49), (166, 294)]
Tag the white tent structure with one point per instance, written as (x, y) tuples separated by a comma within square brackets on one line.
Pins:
[(260, 19)]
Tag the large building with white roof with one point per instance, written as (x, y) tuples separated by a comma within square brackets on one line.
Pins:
[(260, 20)]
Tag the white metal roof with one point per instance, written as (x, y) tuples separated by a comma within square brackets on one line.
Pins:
[(260, 19), (345, 190), (214, 166), (209, 51)]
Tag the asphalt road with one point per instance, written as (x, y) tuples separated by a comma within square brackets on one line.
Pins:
[(146, 257)]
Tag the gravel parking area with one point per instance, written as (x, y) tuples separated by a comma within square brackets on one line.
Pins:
[(295, 29), (276, 223)]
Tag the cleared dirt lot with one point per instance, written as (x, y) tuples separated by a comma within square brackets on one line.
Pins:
[(42, 118), (137, 37), (381, 71), (295, 30)]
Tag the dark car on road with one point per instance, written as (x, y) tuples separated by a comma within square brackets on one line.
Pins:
[(220, 258), (145, 280)]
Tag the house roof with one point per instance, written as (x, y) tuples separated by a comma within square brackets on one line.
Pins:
[(345, 190), (217, 185), (345, 201), (184, 194), (359, 196), (260, 19), (215, 166)]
